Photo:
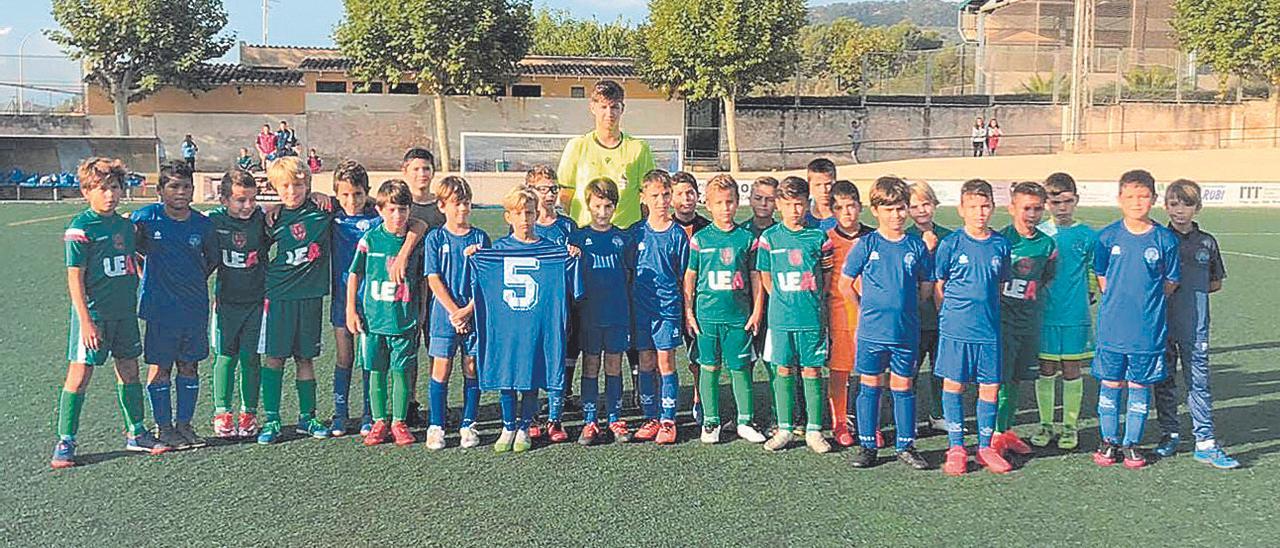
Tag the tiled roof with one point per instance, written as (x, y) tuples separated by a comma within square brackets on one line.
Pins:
[(325, 63), (218, 74), (573, 67)]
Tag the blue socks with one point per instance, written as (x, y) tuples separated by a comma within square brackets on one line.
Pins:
[(986, 422), (590, 394), (1136, 419), (189, 393), (555, 404), (470, 401), (161, 402), (904, 417), (648, 398), (868, 412), (670, 395), (528, 408), (341, 388), (438, 398), (368, 410), (1109, 413), (507, 402), (613, 396), (953, 414)]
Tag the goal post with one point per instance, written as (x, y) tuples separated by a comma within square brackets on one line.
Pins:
[(518, 152)]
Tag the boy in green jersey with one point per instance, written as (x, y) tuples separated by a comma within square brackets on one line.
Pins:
[(102, 278), (923, 205), (1066, 339), (1022, 307), (721, 309), (387, 323), (240, 231), (795, 268)]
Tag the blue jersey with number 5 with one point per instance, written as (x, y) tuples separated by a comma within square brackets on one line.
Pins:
[(522, 293)]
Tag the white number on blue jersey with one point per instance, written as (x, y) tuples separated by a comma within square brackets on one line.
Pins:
[(521, 291)]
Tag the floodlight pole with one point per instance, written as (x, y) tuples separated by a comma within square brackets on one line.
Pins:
[(22, 81), (266, 14)]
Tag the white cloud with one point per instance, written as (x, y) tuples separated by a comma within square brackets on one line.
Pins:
[(5, 30)]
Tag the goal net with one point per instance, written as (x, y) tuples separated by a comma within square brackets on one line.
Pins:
[(517, 152)]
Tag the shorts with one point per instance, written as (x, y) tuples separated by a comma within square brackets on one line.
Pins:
[(165, 345), (116, 338), (1066, 343), (873, 358), (612, 339), (1136, 368), (844, 350), (291, 329), (725, 344), (657, 333), (807, 348), (236, 326), (447, 346), (394, 352), (1021, 354), (967, 362)]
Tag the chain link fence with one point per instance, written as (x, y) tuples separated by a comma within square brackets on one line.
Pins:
[(41, 84)]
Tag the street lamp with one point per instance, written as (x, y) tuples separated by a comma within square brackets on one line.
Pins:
[(21, 80)]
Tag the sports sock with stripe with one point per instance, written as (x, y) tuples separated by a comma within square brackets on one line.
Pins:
[(507, 404), (528, 408), (670, 395), (69, 405), (709, 387), (986, 421), (648, 396), (1072, 400), (470, 401), (742, 397), (555, 405), (250, 380), (1006, 405), (784, 399), (1109, 412), (613, 396), (306, 397), (378, 395), (868, 413), (813, 403), (224, 375), (272, 386), (399, 394), (159, 393), (188, 395), (364, 389), (131, 407), (904, 417), (1045, 397), (437, 399), (1135, 421), (590, 398), (953, 413), (341, 392)]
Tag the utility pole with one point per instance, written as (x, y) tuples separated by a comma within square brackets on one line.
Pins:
[(1081, 65), (266, 16)]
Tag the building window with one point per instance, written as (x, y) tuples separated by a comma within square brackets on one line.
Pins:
[(330, 87), (526, 90), (405, 88), (374, 87), (578, 92)]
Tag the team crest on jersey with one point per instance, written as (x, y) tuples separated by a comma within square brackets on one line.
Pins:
[(587, 242), (239, 239), (617, 241), (1202, 256), (117, 241), (726, 255), (909, 259), (795, 257), (964, 259), (640, 246), (363, 224), (1023, 265), (391, 260), (1151, 254), (995, 262), (194, 240), (298, 230)]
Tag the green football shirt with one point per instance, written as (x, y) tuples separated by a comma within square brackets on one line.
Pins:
[(389, 308), (723, 262), (242, 248), (584, 159), (103, 246), (300, 268), (756, 231), (1031, 267), (928, 308), (797, 262), (1067, 298)]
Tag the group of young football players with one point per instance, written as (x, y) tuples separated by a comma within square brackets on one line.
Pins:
[(813, 293)]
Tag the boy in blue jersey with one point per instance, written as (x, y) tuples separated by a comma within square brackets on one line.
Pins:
[(971, 265), (657, 255), (1202, 274), (1066, 339), (896, 274), (451, 333), (554, 227), (603, 314), (1137, 265), (102, 279), (180, 252)]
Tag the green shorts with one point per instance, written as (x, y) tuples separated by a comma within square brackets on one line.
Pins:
[(235, 326), (383, 352), (116, 338), (1020, 352), (292, 329), (1063, 343), (806, 348), (724, 344)]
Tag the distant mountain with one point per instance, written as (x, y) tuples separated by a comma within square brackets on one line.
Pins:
[(924, 13)]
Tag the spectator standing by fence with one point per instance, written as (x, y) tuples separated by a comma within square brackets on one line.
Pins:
[(266, 144), (993, 136), (313, 161), (189, 150), (978, 136), (856, 134)]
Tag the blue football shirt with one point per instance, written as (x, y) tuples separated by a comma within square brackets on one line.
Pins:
[(973, 272), (810, 221), (1131, 315), (522, 293), (558, 231), (891, 276), (179, 256), (658, 259), (443, 256), (346, 233), (606, 302)]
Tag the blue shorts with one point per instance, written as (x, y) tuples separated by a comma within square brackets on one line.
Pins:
[(657, 333), (447, 346), (1136, 368), (338, 310), (163, 345), (967, 362), (608, 339), (1066, 343), (872, 357)]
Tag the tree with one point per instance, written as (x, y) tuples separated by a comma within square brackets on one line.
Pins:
[(132, 48), (455, 47), (838, 49), (555, 32), (719, 49), (1235, 37)]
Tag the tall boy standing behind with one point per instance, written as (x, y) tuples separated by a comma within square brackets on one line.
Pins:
[(924, 203), (556, 228)]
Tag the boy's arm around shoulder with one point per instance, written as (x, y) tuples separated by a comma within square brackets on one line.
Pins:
[(417, 231)]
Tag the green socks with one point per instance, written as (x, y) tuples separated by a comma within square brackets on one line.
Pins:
[(1006, 405), (1072, 396), (813, 403), (130, 396), (69, 404), (1045, 398), (272, 384), (306, 397), (378, 394), (709, 389), (399, 394), (741, 381), (250, 381), (224, 375), (784, 399)]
